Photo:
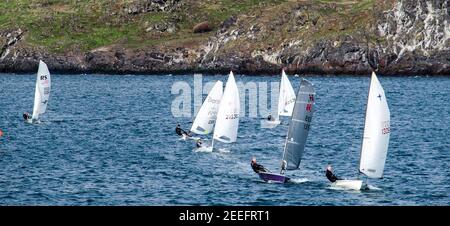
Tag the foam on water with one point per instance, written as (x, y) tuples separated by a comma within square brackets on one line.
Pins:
[(371, 187), (299, 180), (342, 189), (224, 150), (203, 149)]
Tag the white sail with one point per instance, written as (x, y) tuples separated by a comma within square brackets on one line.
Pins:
[(206, 117), (42, 92), (376, 132), (227, 122), (287, 97)]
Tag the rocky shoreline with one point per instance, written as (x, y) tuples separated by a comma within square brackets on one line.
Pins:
[(401, 38)]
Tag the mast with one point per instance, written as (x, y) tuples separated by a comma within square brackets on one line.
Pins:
[(282, 156), (365, 121)]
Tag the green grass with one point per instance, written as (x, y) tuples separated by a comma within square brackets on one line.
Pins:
[(64, 25), (68, 25)]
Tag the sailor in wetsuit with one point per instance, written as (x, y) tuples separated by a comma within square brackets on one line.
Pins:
[(269, 118), (330, 175), (199, 143), (26, 116), (283, 167), (180, 131), (257, 167)]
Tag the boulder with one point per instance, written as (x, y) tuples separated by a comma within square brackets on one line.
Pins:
[(202, 27)]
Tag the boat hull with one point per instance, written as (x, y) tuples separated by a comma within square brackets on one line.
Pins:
[(348, 184), (31, 121), (186, 137), (273, 177), (270, 124)]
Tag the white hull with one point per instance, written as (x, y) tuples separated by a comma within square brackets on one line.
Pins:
[(185, 137), (33, 121), (348, 184), (270, 124)]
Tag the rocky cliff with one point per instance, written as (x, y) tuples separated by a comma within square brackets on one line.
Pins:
[(156, 36)]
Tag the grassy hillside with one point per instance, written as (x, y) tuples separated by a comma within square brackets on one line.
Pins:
[(64, 25)]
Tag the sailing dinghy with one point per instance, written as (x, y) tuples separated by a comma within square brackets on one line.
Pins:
[(206, 116), (42, 93), (286, 101), (298, 132), (375, 139), (227, 122)]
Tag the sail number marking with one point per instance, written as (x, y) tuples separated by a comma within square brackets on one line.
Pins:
[(289, 101), (308, 107), (232, 116)]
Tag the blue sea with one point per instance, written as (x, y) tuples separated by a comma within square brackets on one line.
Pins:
[(110, 140)]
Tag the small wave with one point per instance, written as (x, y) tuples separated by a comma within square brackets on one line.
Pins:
[(223, 150), (371, 187), (203, 149), (331, 187), (336, 188), (299, 180), (272, 182)]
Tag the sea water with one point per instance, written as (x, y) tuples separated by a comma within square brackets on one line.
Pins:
[(110, 140)]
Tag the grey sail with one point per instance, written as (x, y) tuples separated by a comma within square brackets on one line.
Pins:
[(299, 126)]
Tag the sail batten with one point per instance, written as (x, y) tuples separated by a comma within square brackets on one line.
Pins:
[(299, 125), (376, 132)]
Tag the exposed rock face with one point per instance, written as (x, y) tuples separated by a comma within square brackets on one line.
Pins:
[(416, 34), (156, 60), (162, 27), (411, 38), (137, 7), (400, 37), (8, 40)]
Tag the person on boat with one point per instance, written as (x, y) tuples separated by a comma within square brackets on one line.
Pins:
[(26, 116), (269, 118), (257, 167), (283, 167), (180, 131), (199, 143), (330, 175)]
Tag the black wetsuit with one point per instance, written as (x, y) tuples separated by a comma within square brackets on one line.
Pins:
[(331, 177), (269, 118), (258, 168), (179, 131), (26, 117), (199, 144)]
